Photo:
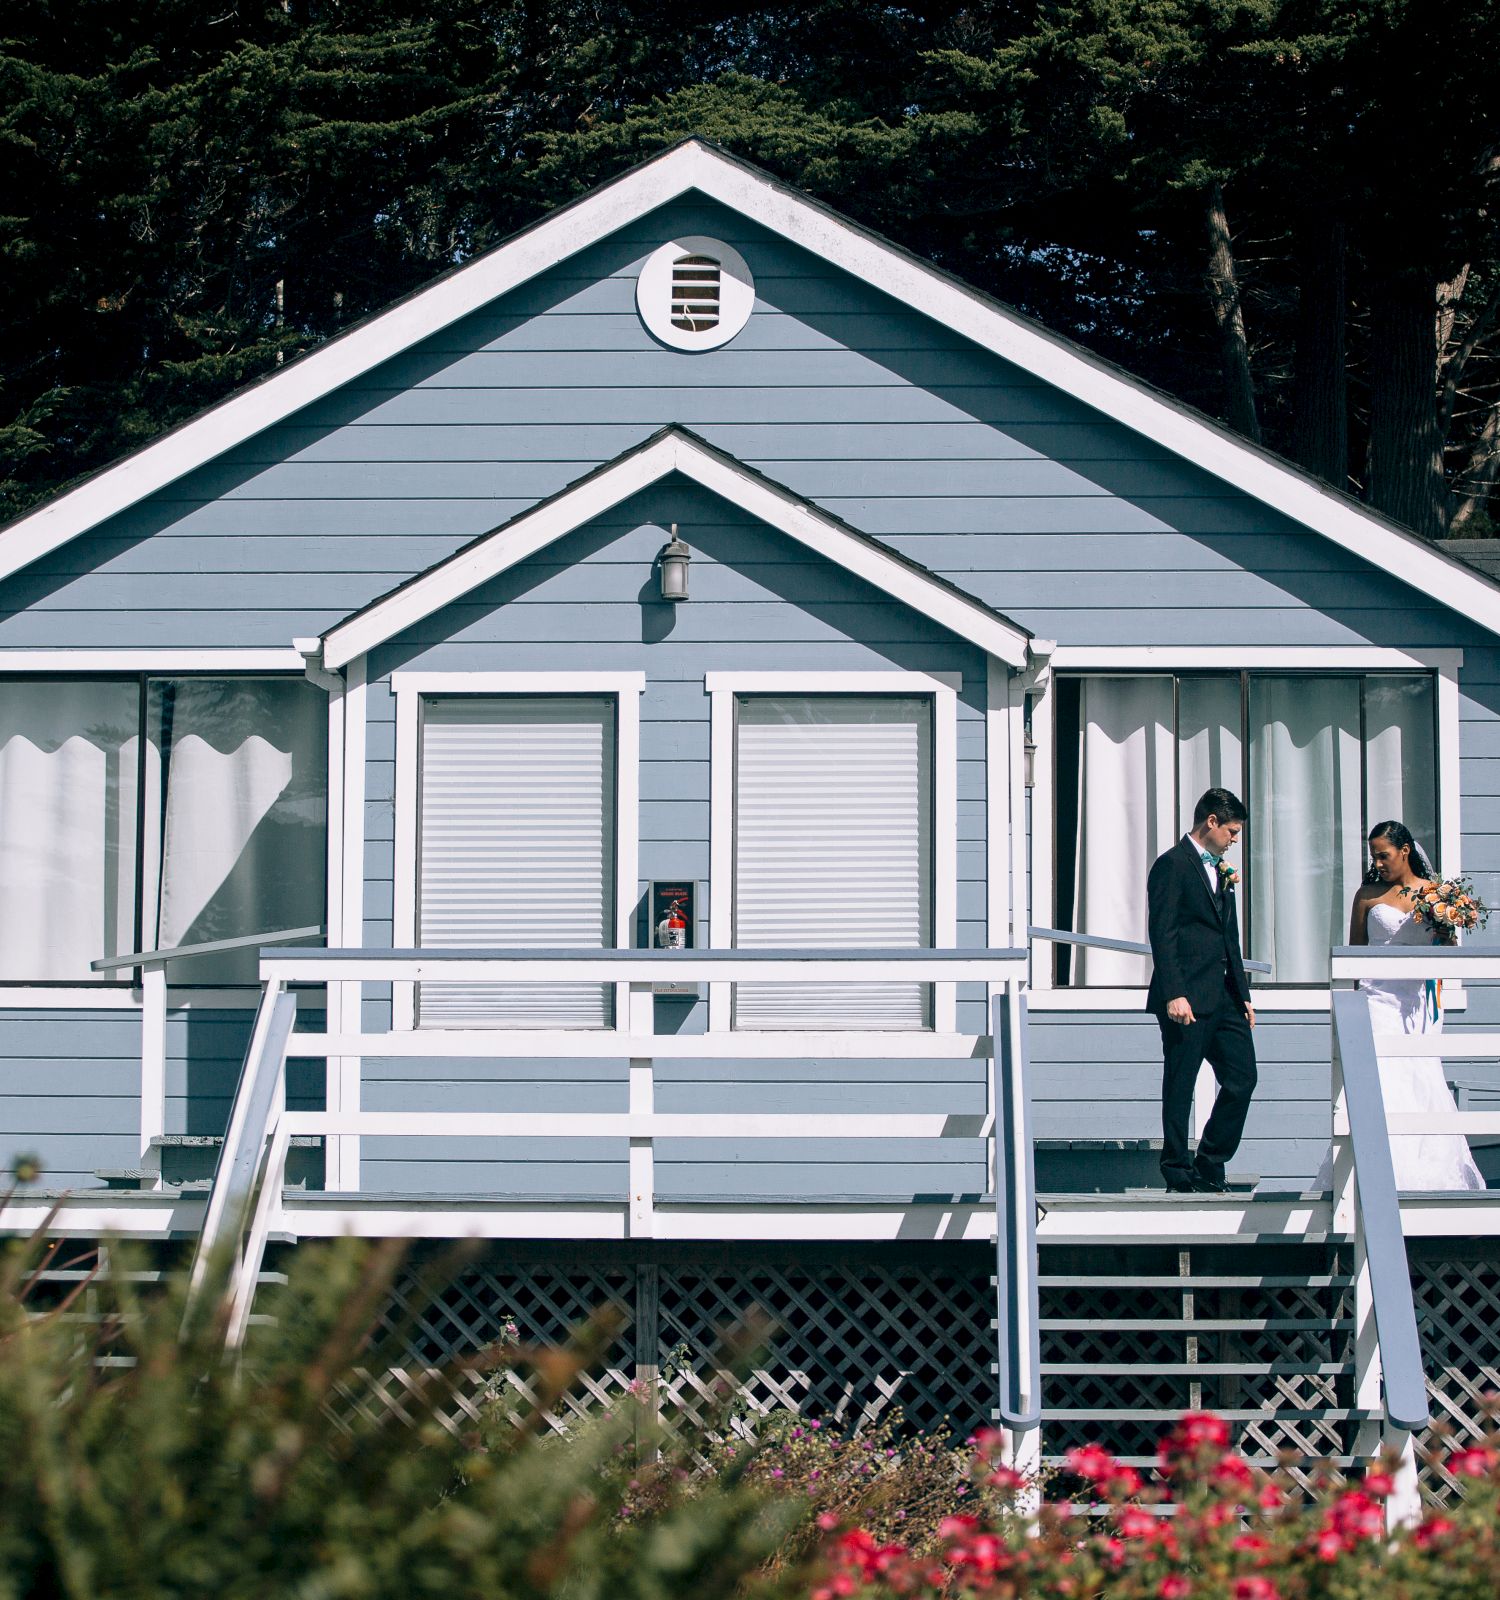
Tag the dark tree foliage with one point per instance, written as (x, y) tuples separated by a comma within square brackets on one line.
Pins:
[(1282, 211)]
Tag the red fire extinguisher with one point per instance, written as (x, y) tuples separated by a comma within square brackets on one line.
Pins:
[(671, 931)]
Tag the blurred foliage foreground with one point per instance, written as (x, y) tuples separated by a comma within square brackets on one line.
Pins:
[(138, 1458)]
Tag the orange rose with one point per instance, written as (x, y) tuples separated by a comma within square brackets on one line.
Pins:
[(1432, 897)]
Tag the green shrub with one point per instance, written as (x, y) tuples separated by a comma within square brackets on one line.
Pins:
[(137, 1460)]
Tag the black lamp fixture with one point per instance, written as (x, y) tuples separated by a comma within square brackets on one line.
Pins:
[(674, 560)]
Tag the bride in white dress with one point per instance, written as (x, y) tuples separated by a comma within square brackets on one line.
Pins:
[(1381, 914)]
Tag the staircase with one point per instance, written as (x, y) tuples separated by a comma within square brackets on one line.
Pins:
[(1260, 1332)]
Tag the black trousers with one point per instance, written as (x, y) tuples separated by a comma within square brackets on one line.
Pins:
[(1224, 1040)]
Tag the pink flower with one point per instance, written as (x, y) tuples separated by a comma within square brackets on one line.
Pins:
[(1255, 1589), (956, 1527), (1329, 1546), (1430, 1531), (1379, 1484), (1355, 1516), (1005, 1478), (1196, 1431), (1091, 1462), (1124, 1481), (828, 1522), (1174, 1587), (1232, 1472), (1134, 1523), (1248, 1541), (1476, 1462)]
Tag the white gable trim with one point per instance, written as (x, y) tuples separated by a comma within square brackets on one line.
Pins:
[(696, 166), (673, 451)]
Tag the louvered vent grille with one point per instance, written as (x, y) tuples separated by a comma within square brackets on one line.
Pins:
[(695, 293)]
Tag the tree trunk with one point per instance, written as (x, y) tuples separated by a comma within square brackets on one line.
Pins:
[(1479, 476), (1320, 400), (1224, 296), (1406, 445)]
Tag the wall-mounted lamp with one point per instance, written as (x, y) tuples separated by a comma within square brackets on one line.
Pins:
[(674, 560)]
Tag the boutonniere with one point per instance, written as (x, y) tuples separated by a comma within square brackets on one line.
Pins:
[(1228, 877)]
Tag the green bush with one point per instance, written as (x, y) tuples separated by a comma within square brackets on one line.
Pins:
[(136, 1459)]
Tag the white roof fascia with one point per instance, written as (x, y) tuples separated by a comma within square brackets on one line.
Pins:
[(802, 222), (572, 508), (331, 365), (1115, 395)]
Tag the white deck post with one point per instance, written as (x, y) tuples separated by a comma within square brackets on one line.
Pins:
[(153, 1065), (642, 1174)]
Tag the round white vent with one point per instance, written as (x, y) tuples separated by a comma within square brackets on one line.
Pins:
[(695, 293)]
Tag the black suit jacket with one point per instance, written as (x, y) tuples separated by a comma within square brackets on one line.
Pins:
[(1195, 935)]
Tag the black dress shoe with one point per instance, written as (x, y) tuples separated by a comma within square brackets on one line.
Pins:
[(1176, 1186), (1205, 1185)]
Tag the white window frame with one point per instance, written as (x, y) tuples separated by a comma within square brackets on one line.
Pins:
[(88, 663), (942, 687), (408, 689), (1443, 663)]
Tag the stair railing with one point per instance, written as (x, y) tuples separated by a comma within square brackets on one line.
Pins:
[(1096, 941), (1388, 1372), (251, 1162)]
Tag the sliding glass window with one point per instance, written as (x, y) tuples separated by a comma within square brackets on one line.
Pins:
[(147, 813), (1318, 760)]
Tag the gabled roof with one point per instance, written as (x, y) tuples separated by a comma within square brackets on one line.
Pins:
[(674, 449), (697, 166)]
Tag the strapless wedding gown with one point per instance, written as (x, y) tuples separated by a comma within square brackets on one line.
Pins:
[(1411, 1083)]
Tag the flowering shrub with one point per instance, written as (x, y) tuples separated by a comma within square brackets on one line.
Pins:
[(897, 1489), (1212, 1528)]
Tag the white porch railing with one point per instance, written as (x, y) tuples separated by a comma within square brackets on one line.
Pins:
[(1366, 1204), (247, 1202)]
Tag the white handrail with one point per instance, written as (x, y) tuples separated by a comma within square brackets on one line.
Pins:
[(244, 941)]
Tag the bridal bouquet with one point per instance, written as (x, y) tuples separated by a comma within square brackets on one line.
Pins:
[(1448, 906)]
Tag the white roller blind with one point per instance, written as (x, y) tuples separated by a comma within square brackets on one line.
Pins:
[(517, 850), (833, 849)]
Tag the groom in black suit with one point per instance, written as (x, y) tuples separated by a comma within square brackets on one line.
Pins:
[(1199, 994)]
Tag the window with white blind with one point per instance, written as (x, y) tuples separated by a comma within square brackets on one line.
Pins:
[(516, 849), (833, 849)]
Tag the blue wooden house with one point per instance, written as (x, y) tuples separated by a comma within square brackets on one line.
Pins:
[(698, 548)]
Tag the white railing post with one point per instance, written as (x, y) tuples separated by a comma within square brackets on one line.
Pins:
[(1344, 1207), (1368, 1377), (641, 1210), (1016, 1255), (153, 1066)]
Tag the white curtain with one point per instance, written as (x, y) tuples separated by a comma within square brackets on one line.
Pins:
[(1400, 756), (1305, 829), (1127, 815), (1210, 751), (68, 755), (833, 848), (236, 777)]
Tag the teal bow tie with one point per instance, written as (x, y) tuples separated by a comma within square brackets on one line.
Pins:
[(1208, 855)]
